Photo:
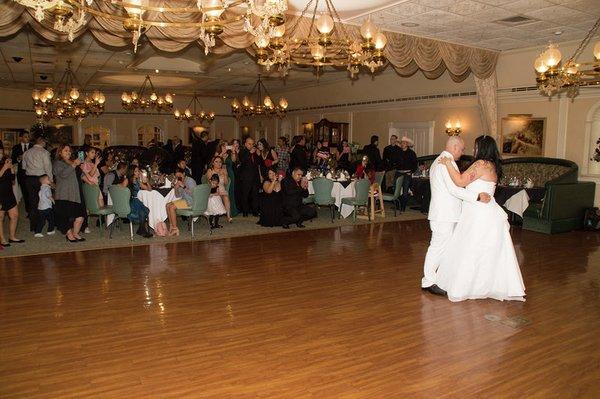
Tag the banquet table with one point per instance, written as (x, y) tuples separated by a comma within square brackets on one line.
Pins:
[(516, 200), (339, 191), (156, 203)]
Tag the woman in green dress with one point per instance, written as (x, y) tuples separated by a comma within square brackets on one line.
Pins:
[(229, 153)]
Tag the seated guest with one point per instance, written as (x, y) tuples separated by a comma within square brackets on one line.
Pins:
[(294, 188), (271, 206), (215, 207), (90, 174), (182, 164), (184, 186), (323, 155), (114, 177), (139, 211), (313, 157), (365, 170), (216, 167), (69, 209), (134, 162), (343, 156)]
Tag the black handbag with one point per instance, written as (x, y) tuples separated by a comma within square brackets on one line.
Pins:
[(591, 219)]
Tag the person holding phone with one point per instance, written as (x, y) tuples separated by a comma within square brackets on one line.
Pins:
[(69, 208), (294, 188), (90, 173)]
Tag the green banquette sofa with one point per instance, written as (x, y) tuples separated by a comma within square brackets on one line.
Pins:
[(565, 198)]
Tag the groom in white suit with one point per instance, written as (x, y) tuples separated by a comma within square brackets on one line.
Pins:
[(444, 211)]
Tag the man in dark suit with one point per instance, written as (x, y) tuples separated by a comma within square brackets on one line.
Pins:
[(249, 178), (372, 151), (176, 152), (17, 159), (198, 161), (298, 157), (294, 187)]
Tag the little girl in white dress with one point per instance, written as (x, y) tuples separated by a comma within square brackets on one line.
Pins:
[(215, 207)]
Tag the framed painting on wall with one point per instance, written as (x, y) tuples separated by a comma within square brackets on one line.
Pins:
[(522, 135)]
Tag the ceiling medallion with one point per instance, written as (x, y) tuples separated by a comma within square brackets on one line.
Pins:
[(263, 106), (66, 100), (554, 77), (194, 112), (327, 44), (146, 97)]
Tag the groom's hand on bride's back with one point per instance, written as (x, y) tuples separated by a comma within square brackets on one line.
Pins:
[(484, 197)]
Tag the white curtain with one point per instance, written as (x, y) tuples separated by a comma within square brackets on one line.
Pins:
[(487, 98)]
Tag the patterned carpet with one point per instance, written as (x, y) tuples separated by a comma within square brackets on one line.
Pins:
[(239, 227)]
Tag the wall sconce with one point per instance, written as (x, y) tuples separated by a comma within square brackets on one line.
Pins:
[(453, 131)]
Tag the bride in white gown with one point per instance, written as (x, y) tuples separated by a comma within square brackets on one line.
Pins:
[(480, 260)]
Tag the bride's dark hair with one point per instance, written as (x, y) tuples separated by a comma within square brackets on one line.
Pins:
[(487, 150)]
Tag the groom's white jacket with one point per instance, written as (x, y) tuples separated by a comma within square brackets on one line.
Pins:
[(446, 197)]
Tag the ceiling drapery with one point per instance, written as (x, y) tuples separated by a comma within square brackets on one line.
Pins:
[(407, 54)]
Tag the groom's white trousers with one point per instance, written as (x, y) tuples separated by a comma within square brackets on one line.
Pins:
[(441, 232)]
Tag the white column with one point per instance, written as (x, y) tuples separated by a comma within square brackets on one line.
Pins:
[(563, 116)]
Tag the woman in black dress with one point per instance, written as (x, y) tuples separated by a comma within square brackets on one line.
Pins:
[(271, 204), (268, 157), (69, 208), (8, 203)]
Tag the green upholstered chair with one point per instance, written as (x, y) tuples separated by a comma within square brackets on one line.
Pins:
[(90, 196), (323, 188), (395, 198), (120, 197), (361, 187), (200, 196)]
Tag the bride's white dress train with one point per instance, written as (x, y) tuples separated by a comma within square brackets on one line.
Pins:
[(480, 260)]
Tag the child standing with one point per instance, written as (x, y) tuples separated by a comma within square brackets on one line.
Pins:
[(45, 210), (215, 207)]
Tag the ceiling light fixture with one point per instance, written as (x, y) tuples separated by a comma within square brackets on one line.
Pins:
[(146, 97), (194, 112), (554, 76), (263, 106)]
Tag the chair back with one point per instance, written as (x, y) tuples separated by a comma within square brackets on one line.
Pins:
[(323, 188), (398, 187), (120, 197), (200, 196), (379, 178), (362, 191), (204, 179), (91, 193)]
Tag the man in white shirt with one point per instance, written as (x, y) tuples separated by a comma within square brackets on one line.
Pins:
[(444, 211), (36, 162)]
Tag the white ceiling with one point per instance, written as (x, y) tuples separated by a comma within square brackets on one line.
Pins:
[(469, 22), (472, 22)]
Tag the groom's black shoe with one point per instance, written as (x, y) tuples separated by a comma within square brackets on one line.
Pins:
[(434, 289)]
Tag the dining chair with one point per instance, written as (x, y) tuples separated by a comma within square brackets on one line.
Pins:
[(91, 193), (200, 196), (122, 208), (361, 198), (323, 188), (395, 198)]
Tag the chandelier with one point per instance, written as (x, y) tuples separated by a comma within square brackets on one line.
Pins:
[(146, 97), (66, 100), (554, 77), (194, 112), (270, 15), (327, 43), (263, 106)]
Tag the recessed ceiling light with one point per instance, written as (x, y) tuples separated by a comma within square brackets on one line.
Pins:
[(558, 32), (224, 96), (409, 24), (228, 69), (156, 70)]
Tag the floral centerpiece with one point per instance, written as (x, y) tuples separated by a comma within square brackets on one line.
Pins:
[(596, 156)]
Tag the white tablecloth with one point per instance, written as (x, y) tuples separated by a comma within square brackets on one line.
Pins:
[(156, 204), (338, 192), (518, 203)]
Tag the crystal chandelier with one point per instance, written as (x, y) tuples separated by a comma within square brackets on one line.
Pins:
[(554, 77), (328, 44), (137, 16), (264, 105), (194, 112), (146, 97), (65, 100), (270, 15)]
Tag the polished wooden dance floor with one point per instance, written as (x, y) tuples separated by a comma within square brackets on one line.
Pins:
[(334, 313)]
